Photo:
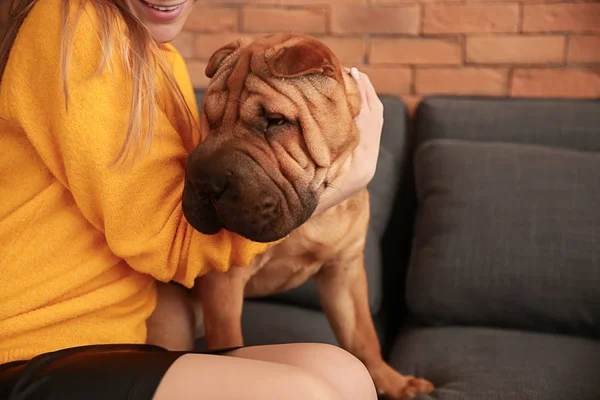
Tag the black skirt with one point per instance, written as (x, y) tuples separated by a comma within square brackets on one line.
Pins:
[(103, 372)]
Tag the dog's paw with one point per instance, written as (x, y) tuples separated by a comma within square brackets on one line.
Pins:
[(392, 385), (415, 386)]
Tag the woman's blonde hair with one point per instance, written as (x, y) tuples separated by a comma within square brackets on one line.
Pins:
[(140, 53)]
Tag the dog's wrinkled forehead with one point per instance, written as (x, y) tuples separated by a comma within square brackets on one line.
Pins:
[(283, 67), (274, 56)]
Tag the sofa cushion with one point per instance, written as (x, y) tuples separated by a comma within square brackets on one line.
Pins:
[(566, 123), (506, 235), (484, 364), (382, 189), (271, 323)]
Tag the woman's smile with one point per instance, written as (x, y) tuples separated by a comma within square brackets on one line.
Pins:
[(163, 13), (163, 18)]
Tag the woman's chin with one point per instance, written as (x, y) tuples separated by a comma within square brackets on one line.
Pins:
[(164, 33)]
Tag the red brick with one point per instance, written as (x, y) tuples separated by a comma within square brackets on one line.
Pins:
[(267, 20), (503, 49), (461, 81), (184, 43), (569, 83), (415, 51), (584, 49), (579, 17), (350, 51), (361, 19), (395, 2), (470, 18), (211, 19), (196, 69), (386, 80)]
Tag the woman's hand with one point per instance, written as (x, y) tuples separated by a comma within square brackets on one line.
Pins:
[(364, 159)]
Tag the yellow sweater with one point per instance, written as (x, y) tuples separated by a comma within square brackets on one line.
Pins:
[(82, 244)]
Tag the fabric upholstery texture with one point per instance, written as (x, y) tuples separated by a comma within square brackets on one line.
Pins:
[(504, 276), (567, 123), (494, 364), (506, 235), (267, 322)]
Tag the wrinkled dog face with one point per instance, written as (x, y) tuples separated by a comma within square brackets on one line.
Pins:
[(278, 128)]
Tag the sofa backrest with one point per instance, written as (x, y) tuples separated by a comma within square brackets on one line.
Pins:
[(507, 229), (383, 189)]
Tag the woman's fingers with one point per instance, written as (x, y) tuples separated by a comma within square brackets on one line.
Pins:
[(369, 98), (356, 75), (371, 95), (362, 89)]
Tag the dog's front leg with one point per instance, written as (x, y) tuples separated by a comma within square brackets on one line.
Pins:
[(344, 298), (171, 325), (222, 297)]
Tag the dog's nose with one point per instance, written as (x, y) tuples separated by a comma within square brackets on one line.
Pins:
[(211, 185)]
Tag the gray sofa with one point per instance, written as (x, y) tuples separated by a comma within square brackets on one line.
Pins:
[(483, 251)]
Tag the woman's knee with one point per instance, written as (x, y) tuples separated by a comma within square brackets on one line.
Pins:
[(344, 370), (334, 355), (346, 373)]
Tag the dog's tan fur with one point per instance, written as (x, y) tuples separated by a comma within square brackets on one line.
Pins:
[(306, 157)]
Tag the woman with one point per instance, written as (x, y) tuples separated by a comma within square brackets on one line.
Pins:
[(97, 115)]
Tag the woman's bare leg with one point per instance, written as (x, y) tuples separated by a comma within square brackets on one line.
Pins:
[(201, 377), (344, 372), (294, 371)]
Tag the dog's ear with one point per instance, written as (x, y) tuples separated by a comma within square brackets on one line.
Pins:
[(302, 58), (219, 56)]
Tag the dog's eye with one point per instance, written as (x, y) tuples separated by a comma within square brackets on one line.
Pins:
[(276, 121)]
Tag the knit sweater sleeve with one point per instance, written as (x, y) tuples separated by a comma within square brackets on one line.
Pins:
[(139, 208)]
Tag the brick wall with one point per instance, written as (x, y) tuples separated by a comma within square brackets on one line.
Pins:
[(547, 48)]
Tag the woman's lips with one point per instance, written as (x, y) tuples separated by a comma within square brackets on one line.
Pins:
[(163, 13)]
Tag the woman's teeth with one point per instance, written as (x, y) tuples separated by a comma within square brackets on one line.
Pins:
[(160, 8)]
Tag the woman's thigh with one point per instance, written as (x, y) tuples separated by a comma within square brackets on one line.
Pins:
[(344, 372), (200, 376)]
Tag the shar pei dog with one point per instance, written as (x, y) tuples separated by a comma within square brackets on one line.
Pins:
[(278, 130)]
